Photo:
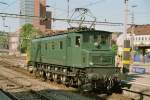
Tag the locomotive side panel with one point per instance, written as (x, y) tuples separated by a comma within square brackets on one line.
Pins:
[(49, 50)]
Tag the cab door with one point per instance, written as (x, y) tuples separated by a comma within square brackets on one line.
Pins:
[(74, 50), (69, 44)]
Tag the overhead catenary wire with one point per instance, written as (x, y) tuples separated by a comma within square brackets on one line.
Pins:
[(3, 3), (59, 19), (87, 5), (93, 3), (10, 4)]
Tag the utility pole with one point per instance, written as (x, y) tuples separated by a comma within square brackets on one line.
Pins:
[(132, 31), (68, 7), (3, 18), (125, 18), (126, 44), (133, 6)]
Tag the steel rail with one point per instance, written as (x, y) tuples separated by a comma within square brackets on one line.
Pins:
[(43, 97), (140, 93)]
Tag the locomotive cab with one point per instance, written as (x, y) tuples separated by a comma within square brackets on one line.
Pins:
[(96, 57), (96, 49), (96, 40)]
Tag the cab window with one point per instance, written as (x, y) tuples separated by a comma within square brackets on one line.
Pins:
[(77, 41), (69, 42), (97, 38), (86, 38), (103, 39)]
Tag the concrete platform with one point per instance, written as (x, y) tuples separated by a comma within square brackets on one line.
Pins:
[(3, 96), (140, 83), (146, 66)]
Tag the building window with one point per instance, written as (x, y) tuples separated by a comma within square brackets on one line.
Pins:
[(61, 45), (142, 38), (145, 38), (139, 38)]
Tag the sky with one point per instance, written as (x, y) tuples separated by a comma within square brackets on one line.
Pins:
[(103, 10)]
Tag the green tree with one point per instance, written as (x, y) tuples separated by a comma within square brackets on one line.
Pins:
[(114, 47), (3, 41), (28, 32)]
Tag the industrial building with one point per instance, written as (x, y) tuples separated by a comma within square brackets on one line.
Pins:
[(26, 8), (35, 8)]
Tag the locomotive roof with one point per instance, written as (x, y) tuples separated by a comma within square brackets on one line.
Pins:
[(74, 31)]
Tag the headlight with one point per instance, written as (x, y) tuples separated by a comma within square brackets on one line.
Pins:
[(91, 63), (96, 44)]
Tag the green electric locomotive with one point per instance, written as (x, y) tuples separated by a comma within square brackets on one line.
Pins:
[(78, 57)]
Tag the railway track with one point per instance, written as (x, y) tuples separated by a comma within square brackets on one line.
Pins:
[(52, 93), (140, 93), (11, 88), (136, 95), (16, 89), (55, 94), (35, 96), (8, 63)]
